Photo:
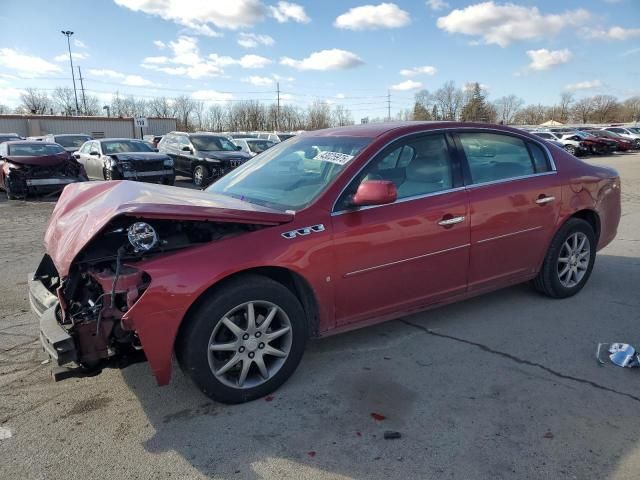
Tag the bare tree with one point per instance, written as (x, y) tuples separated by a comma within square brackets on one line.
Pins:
[(605, 108), (449, 99), (319, 115), (199, 114), (161, 107), (4, 109), (35, 102), (184, 107), (631, 109), (422, 105), (341, 116), (582, 110), (564, 108), (64, 100), (507, 107), (215, 118)]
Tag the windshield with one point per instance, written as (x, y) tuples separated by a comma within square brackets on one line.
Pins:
[(634, 129), (210, 143), (7, 138), (124, 146), (259, 146), (291, 175), (285, 136), (71, 140), (35, 149)]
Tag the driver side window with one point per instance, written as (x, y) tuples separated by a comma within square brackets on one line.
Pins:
[(417, 167)]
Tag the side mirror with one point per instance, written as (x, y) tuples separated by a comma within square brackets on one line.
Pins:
[(94, 153), (375, 192), (238, 147), (187, 149)]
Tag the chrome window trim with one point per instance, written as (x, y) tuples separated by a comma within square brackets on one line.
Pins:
[(536, 140), (404, 260)]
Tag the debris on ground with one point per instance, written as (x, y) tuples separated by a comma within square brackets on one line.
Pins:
[(269, 398), (5, 433), (621, 354), (377, 416), (548, 435), (311, 453), (390, 435)]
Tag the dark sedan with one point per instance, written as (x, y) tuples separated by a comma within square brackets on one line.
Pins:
[(125, 159), (36, 167), (69, 141)]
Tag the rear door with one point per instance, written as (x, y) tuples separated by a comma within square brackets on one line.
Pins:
[(514, 197), (85, 159), (412, 252)]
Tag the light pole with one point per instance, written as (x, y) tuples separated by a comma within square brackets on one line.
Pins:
[(106, 107), (68, 33)]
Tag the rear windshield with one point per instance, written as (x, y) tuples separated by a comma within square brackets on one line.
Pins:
[(71, 140), (210, 143), (124, 146), (34, 149), (259, 146)]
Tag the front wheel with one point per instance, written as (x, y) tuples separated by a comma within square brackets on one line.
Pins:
[(569, 261), (244, 341), (570, 149), (200, 174)]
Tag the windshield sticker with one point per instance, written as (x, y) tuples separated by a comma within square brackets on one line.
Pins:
[(333, 157)]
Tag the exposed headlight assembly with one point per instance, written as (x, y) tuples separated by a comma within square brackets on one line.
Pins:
[(142, 237), (168, 162)]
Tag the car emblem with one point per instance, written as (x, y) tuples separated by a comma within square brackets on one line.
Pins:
[(303, 231)]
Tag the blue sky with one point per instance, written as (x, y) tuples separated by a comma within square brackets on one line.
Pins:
[(348, 52)]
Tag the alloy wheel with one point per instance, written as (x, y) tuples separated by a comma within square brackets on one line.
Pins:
[(573, 261), (250, 344)]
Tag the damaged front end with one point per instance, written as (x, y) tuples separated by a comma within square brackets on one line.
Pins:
[(83, 315), (23, 179)]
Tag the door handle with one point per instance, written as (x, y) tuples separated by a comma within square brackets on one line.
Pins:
[(543, 200), (451, 221)]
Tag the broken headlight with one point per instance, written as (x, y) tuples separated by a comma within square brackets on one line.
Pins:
[(142, 237)]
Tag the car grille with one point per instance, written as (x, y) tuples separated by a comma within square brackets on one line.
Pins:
[(146, 166)]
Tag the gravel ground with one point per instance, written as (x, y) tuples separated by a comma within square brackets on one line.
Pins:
[(501, 386)]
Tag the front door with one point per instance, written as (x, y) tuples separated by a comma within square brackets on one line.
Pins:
[(514, 195), (409, 253)]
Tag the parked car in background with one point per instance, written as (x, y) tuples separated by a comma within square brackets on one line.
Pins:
[(202, 156), (36, 167), (574, 147), (326, 232), (234, 135), (623, 144), (125, 159), (153, 139), (6, 137), (71, 142), (253, 146), (272, 137), (626, 132), (593, 144)]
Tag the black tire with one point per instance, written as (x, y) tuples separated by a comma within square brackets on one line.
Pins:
[(107, 174), (169, 181), (548, 279), (192, 345), (200, 175)]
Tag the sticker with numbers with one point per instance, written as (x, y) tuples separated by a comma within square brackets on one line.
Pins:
[(333, 157)]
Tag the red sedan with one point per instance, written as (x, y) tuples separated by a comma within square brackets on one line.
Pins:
[(329, 231)]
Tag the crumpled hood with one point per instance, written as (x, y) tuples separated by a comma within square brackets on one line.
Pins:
[(42, 161), (85, 208), (136, 156)]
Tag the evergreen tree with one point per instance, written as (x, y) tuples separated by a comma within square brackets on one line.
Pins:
[(475, 110)]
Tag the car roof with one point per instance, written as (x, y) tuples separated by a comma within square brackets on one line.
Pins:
[(28, 142), (118, 140)]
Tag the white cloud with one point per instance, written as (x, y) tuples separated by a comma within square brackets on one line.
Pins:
[(369, 17), (614, 33), (544, 59), (79, 43), (286, 11), (333, 59), (283, 79), (437, 4), (160, 44), (136, 81), (10, 95), (252, 40), (586, 85), (161, 60), (340, 95), (259, 81), (412, 72), (406, 85), (212, 96), (64, 57), (504, 24), (26, 64), (106, 73), (198, 14), (253, 61)]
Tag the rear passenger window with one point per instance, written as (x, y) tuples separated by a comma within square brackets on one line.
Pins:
[(494, 156), (540, 160)]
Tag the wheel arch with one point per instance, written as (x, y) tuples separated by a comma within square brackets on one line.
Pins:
[(591, 217), (293, 281)]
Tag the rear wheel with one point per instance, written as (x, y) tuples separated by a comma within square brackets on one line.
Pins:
[(244, 340), (569, 261), (200, 174), (570, 149)]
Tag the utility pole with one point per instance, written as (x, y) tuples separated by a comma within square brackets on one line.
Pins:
[(278, 108), (84, 100), (389, 105), (68, 33)]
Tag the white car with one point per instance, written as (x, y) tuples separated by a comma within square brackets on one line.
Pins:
[(574, 147), (632, 133), (253, 146)]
